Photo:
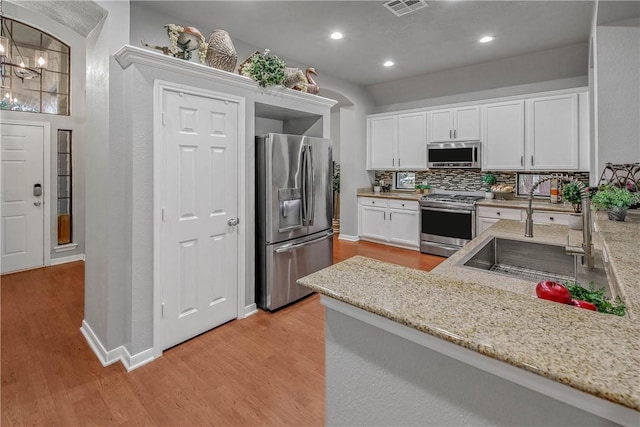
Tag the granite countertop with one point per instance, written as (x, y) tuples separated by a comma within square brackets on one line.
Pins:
[(518, 202), (523, 203), (593, 352), (399, 195)]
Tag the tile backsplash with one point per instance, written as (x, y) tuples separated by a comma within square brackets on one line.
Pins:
[(466, 179)]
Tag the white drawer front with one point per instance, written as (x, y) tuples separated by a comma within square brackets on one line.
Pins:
[(499, 213), (373, 201), (550, 218), (404, 204)]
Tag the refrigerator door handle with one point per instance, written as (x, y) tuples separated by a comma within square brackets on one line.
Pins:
[(289, 248), (305, 188), (312, 195)]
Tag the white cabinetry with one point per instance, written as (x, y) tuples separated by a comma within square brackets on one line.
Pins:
[(391, 221), (455, 124), (487, 215), (503, 136), (552, 132), (545, 133), (397, 142)]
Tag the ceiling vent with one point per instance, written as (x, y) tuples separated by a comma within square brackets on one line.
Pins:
[(402, 7)]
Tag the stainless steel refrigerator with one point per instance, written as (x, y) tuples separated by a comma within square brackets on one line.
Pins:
[(293, 211)]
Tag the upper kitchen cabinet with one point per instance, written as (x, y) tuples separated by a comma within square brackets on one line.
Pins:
[(455, 124), (549, 133), (503, 135), (552, 133), (397, 142)]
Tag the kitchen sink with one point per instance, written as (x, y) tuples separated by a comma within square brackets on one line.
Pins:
[(535, 261)]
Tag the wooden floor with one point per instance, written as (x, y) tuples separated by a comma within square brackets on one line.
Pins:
[(267, 369)]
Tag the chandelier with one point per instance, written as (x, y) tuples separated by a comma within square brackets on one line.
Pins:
[(12, 60)]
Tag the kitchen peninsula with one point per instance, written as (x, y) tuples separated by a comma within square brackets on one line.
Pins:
[(447, 347)]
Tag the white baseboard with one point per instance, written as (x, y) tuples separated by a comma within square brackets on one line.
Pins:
[(66, 259), (120, 353), (348, 237), (250, 310)]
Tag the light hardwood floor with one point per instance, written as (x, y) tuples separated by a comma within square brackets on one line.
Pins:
[(267, 369)]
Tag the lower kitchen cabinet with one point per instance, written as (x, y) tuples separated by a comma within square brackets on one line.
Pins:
[(390, 221), (488, 215)]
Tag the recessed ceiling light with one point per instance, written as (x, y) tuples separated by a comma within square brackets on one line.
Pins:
[(336, 36), (486, 39), (388, 63)]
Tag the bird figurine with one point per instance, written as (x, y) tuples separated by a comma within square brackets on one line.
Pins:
[(294, 79), (312, 86)]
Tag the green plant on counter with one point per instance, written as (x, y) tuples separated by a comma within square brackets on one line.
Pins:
[(597, 298), (571, 193), (609, 196), (489, 179)]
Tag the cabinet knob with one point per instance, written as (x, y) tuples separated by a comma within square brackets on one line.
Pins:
[(551, 218), (498, 213)]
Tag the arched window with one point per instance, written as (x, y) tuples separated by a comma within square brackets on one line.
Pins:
[(42, 86)]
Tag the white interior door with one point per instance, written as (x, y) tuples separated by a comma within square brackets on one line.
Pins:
[(198, 252), (22, 209)]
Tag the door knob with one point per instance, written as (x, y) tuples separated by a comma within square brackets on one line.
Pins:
[(233, 222), (38, 203)]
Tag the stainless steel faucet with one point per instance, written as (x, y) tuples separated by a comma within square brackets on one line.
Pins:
[(586, 251)]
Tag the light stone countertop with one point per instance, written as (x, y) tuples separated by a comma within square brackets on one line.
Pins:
[(593, 352), (399, 195), (518, 202)]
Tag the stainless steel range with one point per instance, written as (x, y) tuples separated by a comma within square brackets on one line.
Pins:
[(447, 222)]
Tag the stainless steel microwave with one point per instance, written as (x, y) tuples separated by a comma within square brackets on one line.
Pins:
[(453, 154)]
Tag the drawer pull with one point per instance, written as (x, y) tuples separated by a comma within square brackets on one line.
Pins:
[(551, 218), (498, 213)]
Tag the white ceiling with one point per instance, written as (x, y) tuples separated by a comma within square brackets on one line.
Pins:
[(441, 36)]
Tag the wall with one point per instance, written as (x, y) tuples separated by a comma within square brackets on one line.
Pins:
[(335, 135), (376, 378), (552, 69), (106, 300), (75, 122), (618, 94)]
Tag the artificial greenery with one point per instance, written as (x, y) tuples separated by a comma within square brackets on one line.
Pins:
[(336, 180), (265, 68), (571, 193), (423, 187), (597, 298), (489, 179), (609, 196)]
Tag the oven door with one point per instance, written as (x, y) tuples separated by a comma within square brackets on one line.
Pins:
[(453, 227)]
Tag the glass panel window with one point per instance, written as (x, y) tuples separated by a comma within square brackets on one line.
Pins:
[(65, 192), (42, 86), (405, 180)]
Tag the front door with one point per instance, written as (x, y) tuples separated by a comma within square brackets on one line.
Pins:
[(22, 196), (199, 197)]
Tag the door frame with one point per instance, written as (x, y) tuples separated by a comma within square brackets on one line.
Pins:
[(159, 87), (46, 184)]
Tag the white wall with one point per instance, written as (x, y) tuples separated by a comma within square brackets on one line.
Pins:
[(75, 122), (567, 65), (106, 300), (618, 94), (335, 135), (376, 378)]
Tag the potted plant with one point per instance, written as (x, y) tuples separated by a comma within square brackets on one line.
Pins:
[(265, 68), (489, 180), (376, 187), (423, 188), (615, 200), (571, 194)]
